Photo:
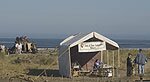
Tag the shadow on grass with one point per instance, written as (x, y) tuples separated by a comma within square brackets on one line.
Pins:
[(44, 72)]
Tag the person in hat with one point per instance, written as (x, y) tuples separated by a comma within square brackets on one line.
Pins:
[(141, 60)]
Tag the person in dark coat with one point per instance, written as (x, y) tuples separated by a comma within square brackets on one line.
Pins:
[(129, 65)]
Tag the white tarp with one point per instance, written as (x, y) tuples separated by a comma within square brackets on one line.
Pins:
[(64, 61), (91, 46)]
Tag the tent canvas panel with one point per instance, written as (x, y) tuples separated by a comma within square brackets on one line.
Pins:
[(110, 47), (82, 37), (85, 60), (64, 63), (107, 40)]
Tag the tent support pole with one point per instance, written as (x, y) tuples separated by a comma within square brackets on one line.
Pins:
[(118, 58), (101, 56), (107, 57), (118, 74), (113, 63)]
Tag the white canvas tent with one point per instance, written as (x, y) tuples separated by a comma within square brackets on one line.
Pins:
[(69, 43)]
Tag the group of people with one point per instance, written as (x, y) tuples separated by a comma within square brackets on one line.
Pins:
[(23, 45), (20, 44), (139, 60)]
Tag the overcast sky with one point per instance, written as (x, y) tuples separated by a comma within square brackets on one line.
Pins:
[(59, 18)]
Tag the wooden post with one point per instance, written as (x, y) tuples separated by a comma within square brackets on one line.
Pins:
[(113, 63), (101, 56), (118, 58), (107, 57), (118, 72)]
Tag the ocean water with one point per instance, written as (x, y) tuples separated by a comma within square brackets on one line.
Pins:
[(41, 43), (52, 43)]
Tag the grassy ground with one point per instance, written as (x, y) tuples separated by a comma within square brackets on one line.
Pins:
[(43, 67)]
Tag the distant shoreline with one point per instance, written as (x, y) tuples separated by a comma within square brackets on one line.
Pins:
[(54, 43)]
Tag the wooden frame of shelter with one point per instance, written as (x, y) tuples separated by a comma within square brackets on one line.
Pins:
[(69, 52)]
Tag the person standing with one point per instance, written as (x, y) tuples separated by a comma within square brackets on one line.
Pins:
[(18, 48), (129, 65), (141, 60), (2, 48)]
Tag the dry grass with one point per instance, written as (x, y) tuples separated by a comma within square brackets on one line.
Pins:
[(18, 66), (32, 65)]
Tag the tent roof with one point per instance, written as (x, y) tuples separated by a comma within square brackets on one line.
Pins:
[(78, 38)]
